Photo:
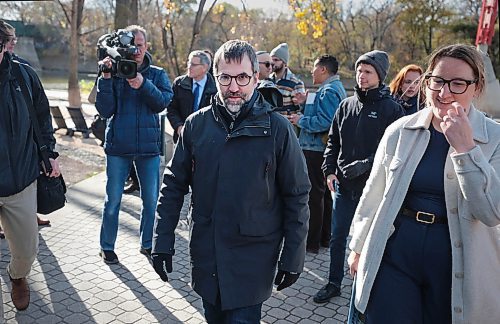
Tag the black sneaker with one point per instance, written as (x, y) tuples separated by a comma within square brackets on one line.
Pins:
[(326, 293), (109, 257), (146, 252)]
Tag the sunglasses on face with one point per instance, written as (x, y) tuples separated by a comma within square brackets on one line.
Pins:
[(267, 64)]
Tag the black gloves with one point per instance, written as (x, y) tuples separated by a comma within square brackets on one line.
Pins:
[(356, 168), (285, 279), (162, 263)]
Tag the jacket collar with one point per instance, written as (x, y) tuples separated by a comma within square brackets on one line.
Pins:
[(187, 83), (330, 80), (256, 120), (423, 118), (372, 95)]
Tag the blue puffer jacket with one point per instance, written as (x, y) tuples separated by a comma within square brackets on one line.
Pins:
[(133, 124), (318, 116)]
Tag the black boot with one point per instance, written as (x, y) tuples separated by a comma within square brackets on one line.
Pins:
[(134, 182)]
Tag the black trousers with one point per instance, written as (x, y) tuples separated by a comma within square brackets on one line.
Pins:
[(413, 283), (320, 217)]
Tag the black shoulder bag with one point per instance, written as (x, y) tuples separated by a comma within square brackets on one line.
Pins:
[(50, 190)]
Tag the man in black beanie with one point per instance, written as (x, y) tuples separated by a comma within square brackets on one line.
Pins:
[(357, 127)]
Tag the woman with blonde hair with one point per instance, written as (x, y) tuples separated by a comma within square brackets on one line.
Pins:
[(405, 88), (426, 241)]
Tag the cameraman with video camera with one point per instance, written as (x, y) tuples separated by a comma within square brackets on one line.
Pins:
[(131, 101)]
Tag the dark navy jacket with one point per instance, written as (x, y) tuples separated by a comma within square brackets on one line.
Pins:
[(357, 127), (182, 102), (249, 199), (19, 161), (133, 123)]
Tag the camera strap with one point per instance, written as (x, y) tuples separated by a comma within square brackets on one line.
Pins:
[(22, 80)]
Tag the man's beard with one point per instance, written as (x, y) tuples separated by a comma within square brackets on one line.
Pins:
[(278, 69), (231, 106)]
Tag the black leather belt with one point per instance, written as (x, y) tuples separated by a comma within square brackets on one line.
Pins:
[(423, 217)]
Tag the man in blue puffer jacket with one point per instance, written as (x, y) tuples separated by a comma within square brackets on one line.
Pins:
[(314, 125), (132, 135)]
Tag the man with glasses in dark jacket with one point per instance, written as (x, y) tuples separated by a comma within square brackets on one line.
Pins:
[(20, 167), (250, 190), (192, 91)]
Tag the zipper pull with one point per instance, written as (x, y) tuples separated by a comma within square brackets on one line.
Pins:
[(231, 126), (266, 170)]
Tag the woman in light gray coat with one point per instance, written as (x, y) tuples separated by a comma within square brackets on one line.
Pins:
[(426, 242)]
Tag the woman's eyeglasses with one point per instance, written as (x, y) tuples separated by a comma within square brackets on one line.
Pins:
[(242, 79), (456, 86), (267, 64)]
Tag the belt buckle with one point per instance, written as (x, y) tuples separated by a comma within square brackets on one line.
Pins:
[(433, 217)]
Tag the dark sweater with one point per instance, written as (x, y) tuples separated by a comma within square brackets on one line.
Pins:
[(426, 192)]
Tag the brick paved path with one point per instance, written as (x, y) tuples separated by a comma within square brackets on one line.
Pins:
[(70, 284)]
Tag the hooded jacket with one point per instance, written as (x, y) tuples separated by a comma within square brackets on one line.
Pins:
[(248, 206), (19, 160), (133, 123), (358, 126)]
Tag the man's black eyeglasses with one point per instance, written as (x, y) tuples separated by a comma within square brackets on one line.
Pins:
[(267, 64), (242, 79), (456, 86)]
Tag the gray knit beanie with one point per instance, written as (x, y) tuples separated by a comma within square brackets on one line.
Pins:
[(281, 51), (379, 60)]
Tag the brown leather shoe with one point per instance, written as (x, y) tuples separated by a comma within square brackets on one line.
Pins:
[(20, 293), (42, 222)]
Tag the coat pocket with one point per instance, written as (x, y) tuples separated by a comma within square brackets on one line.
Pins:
[(395, 164)]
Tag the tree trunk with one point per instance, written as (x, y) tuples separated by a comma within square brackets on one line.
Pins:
[(74, 97), (126, 13)]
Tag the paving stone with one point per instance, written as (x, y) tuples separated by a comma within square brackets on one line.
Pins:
[(71, 284)]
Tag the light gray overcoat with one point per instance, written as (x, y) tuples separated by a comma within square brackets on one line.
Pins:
[(472, 193)]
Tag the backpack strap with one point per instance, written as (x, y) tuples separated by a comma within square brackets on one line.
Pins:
[(21, 75)]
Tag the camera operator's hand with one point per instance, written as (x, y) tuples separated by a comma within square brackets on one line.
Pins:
[(108, 64), (136, 82)]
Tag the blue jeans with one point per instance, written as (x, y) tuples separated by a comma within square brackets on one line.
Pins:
[(244, 315), (344, 206), (117, 170)]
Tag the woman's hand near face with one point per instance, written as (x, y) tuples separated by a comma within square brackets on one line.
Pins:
[(457, 129)]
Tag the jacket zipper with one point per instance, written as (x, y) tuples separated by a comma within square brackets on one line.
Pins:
[(229, 131), (266, 176)]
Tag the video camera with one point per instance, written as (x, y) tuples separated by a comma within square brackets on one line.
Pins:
[(119, 46)]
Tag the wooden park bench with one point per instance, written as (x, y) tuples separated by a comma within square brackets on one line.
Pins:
[(79, 121), (55, 111)]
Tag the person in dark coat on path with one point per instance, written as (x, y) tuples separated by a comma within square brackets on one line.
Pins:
[(356, 130), (192, 91), (20, 165), (250, 188)]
